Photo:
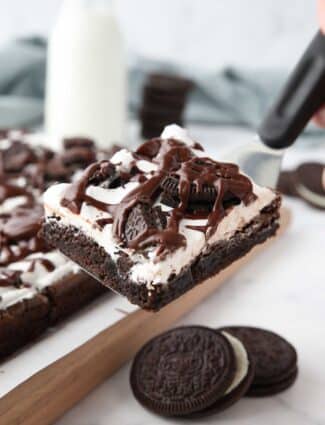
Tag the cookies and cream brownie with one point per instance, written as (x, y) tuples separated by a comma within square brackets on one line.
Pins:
[(38, 285), (154, 223)]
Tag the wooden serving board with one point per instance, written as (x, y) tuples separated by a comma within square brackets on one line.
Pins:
[(48, 394)]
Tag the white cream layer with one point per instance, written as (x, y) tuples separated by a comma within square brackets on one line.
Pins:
[(146, 269), (242, 362)]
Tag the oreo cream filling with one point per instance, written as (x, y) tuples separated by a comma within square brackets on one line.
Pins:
[(242, 362)]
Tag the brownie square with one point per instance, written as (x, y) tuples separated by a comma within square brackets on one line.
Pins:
[(153, 223)]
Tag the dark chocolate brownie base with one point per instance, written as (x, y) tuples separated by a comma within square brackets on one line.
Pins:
[(70, 294), (23, 322), (94, 259)]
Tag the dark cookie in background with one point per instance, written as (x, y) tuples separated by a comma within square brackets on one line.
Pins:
[(275, 359), (307, 182), (163, 101)]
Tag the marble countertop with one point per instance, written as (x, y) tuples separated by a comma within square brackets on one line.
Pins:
[(282, 289)]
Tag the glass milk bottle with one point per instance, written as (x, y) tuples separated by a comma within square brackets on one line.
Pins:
[(86, 74)]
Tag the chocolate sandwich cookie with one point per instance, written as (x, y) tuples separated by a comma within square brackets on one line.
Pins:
[(275, 359), (309, 183), (183, 371), (272, 389), (157, 97), (241, 383), (286, 184), (164, 98), (169, 83)]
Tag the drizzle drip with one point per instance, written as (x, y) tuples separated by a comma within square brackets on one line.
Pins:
[(9, 277), (45, 262), (173, 158)]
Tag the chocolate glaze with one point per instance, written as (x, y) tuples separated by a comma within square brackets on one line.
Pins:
[(45, 262), (179, 160), (9, 277), (8, 190), (19, 233)]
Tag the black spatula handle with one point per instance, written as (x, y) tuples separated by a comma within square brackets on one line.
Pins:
[(301, 97)]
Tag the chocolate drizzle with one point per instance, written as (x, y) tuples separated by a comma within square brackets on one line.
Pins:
[(176, 160), (19, 233), (10, 277)]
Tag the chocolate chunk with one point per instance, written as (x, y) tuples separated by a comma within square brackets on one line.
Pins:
[(78, 142), (275, 358), (10, 277), (17, 156), (78, 155), (22, 223), (183, 371), (105, 176), (55, 169), (143, 221), (149, 149)]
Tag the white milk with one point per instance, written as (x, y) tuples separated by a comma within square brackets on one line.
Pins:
[(86, 75)]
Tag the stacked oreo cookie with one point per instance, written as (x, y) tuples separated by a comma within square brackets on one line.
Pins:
[(196, 371), (306, 182), (164, 99)]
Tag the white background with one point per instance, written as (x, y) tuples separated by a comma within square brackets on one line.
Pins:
[(203, 33)]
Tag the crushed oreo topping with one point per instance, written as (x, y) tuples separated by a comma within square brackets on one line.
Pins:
[(143, 222), (192, 184)]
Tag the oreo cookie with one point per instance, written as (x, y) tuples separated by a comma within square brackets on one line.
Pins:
[(275, 359), (286, 184), (206, 194), (78, 156), (143, 220), (164, 99), (241, 383), (309, 182), (183, 371), (200, 199), (78, 142), (273, 389)]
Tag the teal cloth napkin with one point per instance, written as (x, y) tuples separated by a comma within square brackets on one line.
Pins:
[(231, 96)]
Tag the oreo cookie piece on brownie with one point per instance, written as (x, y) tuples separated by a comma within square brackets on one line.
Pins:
[(154, 223)]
